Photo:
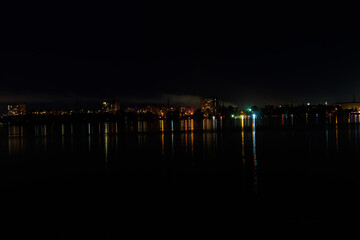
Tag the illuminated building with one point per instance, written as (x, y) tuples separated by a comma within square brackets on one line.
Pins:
[(106, 107), (209, 106), (110, 107), (186, 111), (17, 110), (355, 106)]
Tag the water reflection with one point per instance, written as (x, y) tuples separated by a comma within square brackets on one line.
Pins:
[(341, 129), (209, 124), (356, 135), (172, 139), (162, 126), (191, 144), (89, 137), (337, 134), (15, 146), (254, 155), (327, 139), (106, 141), (62, 136), (204, 124), (191, 128), (44, 134), (162, 137), (140, 126), (243, 140), (37, 131), (116, 128), (14, 131), (44, 130), (188, 126), (307, 118), (15, 140), (183, 125), (214, 124), (98, 128)]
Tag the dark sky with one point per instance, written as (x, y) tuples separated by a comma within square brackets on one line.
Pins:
[(245, 54)]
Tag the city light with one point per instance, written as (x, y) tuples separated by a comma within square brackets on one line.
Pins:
[(209, 109), (17, 110)]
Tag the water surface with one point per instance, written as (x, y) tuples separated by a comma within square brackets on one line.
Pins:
[(264, 171)]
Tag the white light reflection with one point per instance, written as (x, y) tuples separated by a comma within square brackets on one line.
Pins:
[(214, 124)]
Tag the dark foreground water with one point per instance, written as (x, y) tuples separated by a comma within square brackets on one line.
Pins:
[(78, 181)]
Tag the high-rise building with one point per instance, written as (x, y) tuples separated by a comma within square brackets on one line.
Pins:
[(17, 110), (209, 106)]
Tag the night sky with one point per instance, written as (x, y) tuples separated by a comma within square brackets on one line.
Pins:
[(244, 54)]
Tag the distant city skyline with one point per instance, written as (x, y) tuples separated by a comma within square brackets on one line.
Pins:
[(41, 100)]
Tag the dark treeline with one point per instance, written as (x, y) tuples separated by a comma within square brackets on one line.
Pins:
[(303, 110)]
